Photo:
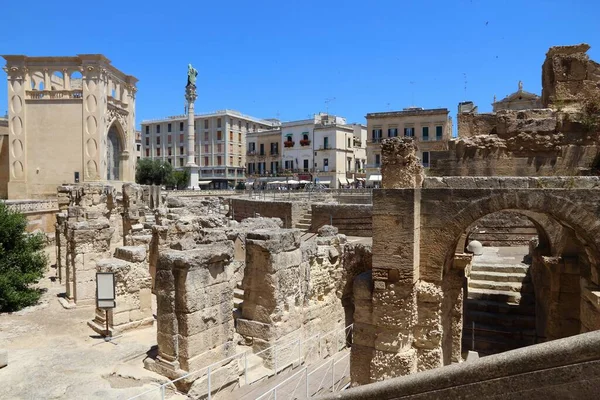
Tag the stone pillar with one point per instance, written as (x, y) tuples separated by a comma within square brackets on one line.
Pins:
[(190, 96)]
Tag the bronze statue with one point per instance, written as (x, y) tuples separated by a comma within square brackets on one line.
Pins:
[(192, 74)]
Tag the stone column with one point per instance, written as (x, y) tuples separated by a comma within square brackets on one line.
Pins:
[(190, 96)]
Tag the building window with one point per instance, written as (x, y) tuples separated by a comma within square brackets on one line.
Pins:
[(325, 142), (168, 127), (274, 148), (206, 148), (169, 160), (349, 142), (219, 135), (157, 152), (426, 159), (254, 127), (409, 132), (262, 149), (219, 162), (219, 149), (168, 139), (181, 126), (147, 152), (158, 140), (205, 161), (168, 151), (326, 164), (180, 150), (240, 137), (206, 136), (239, 125), (425, 133), (181, 162), (231, 135), (438, 133), (181, 138), (377, 160), (392, 132), (376, 135), (205, 124), (251, 147), (147, 141), (218, 122), (157, 128), (230, 160), (305, 165), (147, 129)]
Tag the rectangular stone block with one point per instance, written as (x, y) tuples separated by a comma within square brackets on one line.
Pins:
[(386, 365), (205, 319), (190, 346)]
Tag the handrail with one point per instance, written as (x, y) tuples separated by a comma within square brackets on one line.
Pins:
[(304, 369)]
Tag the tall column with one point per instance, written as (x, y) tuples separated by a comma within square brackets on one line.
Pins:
[(190, 96)]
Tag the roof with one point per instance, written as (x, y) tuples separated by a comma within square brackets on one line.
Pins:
[(410, 112)]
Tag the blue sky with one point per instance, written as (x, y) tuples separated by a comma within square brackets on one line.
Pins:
[(286, 58)]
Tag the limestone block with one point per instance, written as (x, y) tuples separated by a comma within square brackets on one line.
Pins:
[(131, 253), (283, 260), (204, 319), (393, 340), (137, 227), (385, 365), (590, 316), (120, 318), (427, 337), (145, 296), (429, 359), (198, 296), (363, 311), (327, 231), (360, 364), (428, 292), (220, 377), (274, 241), (396, 306), (193, 345), (167, 345)]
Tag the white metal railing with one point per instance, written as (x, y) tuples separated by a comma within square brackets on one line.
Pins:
[(298, 353)]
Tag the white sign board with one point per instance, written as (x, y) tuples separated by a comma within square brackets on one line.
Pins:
[(105, 290)]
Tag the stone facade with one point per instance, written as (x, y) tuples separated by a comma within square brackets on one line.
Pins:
[(349, 219), (82, 108)]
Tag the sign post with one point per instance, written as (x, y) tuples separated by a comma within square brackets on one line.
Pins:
[(105, 294)]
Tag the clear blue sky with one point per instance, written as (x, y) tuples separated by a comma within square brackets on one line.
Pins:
[(285, 58)]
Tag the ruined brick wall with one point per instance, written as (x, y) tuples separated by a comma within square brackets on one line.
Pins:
[(350, 219), (400, 166), (471, 124), (290, 212)]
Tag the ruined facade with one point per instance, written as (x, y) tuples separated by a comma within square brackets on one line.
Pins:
[(81, 108)]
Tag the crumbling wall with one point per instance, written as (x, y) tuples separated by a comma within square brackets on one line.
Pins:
[(401, 167), (349, 219), (290, 212), (503, 229)]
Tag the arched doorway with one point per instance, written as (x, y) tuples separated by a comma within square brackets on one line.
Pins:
[(113, 154)]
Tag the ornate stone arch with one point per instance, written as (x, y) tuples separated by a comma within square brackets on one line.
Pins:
[(115, 151)]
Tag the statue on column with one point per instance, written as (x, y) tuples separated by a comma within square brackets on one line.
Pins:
[(192, 74)]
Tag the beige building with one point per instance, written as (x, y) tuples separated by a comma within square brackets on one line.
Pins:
[(4, 159), (220, 144), (519, 100), (431, 129), (324, 149), (69, 119), (263, 155)]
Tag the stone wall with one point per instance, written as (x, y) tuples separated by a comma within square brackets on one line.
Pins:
[(350, 219), (40, 214), (503, 229), (290, 212)]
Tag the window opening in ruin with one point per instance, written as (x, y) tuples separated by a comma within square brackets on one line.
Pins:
[(113, 155)]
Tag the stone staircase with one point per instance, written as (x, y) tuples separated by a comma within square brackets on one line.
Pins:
[(304, 223), (501, 305), (238, 300)]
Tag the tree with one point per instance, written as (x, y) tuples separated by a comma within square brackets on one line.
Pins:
[(181, 178), (22, 261), (154, 172)]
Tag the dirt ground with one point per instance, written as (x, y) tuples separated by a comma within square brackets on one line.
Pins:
[(53, 354)]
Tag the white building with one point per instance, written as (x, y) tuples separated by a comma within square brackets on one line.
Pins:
[(324, 149)]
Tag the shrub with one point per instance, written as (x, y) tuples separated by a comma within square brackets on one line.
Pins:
[(22, 261)]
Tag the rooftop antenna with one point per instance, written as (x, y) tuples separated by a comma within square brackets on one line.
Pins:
[(388, 107), (412, 90), (465, 77), (327, 101)]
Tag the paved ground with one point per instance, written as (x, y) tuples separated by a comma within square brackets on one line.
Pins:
[(502, 255), (54, 355)]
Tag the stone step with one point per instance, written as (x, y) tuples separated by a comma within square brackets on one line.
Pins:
[(500, 296), (499, 307), (300, 225), (256, 371), (239, 285), (500, 320), (500, 276), (237, 303), (238, 293), (503, 286), (510, 268), (305, 221)]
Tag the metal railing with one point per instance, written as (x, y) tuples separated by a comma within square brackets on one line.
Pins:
[(298, 352)]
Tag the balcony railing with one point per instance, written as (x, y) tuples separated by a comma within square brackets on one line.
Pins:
[(376, 140), (289, 144), (325, 147), (54, 94), (373, 166), (305, 142), (251, 153), (274, 152)]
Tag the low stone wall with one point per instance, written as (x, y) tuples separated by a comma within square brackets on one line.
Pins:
[(350, 219), (40, 214), (290, 212), (562, 369)]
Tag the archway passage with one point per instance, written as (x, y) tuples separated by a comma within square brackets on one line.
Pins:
[(113, 154), (499, 303)]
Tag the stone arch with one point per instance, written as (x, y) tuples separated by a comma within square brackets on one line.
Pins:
[(57, 81), (115, 146)]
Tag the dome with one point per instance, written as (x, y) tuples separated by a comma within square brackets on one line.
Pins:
[(475, 247)]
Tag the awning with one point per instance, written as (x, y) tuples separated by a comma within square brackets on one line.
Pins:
[(350, 180), (324, 182), (375, 178), (360, 179), (204, 182), (292, 182), (343, 181), (304, 181)]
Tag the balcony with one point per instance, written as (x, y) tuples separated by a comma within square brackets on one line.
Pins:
[(274, 152), (54, 94), (304, 142), (376, 140), (251, 153), (289, 144), (325, 147)]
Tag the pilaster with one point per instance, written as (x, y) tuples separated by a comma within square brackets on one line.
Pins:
[(17, 132)]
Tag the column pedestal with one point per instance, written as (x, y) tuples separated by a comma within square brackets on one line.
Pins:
[(194, 176)]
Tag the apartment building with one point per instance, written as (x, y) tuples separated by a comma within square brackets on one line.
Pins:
[(324, 149), (263, 155), (431, 128), (220, 148)]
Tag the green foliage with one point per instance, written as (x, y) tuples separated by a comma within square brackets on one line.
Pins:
[(22, 261), (181, 179), (590, 118), (154, 172)]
